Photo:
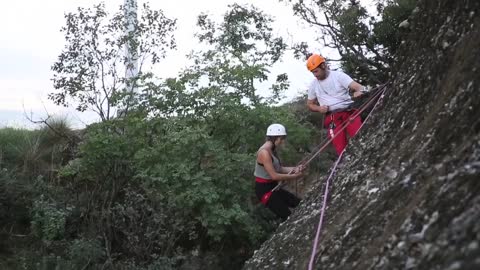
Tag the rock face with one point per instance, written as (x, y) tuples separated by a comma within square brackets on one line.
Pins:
[(407, 195)]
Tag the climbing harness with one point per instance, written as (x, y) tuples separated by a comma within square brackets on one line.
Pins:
[(267, 195), (327, 185), (331, 126)]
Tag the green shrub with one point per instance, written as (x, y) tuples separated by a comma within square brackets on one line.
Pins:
[(84, 252), (48, 221)]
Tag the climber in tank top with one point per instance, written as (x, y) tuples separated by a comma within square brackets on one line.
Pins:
[(269, 171)]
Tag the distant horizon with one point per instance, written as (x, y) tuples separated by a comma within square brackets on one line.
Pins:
[(17, 119)]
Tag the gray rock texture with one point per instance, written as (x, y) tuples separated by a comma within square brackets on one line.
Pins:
[(407, 195)]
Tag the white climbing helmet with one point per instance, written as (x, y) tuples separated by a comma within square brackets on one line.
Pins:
[(276, 130)]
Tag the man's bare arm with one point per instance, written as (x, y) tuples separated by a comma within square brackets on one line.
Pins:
[(357, 88), (314, 107)]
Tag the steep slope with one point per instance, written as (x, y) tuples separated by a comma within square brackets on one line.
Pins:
[(407, 195)]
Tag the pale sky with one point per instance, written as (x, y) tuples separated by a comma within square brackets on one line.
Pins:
[(30, 41)]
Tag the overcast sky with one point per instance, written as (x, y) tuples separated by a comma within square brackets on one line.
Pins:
[(30, 41)]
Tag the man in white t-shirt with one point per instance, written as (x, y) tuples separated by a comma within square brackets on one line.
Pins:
[(329, 93)]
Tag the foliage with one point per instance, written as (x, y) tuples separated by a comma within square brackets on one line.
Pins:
[(195, 172), (48, 221), (366, 42), (11, 139), (240, 51), (386, 30), (91, 68), (15, 199), (36, 152), (83, 252)]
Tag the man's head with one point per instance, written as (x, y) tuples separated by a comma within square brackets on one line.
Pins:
[(316, 64)]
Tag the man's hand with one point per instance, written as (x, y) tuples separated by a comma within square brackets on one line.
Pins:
[(356, 88), (322, 109), (357, 94), (313, 106)]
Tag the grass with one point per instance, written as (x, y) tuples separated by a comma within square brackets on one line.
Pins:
[(34, 152), (12, 140)]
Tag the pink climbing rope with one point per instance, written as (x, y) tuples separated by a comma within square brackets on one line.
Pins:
[(325, 195), (322, 211)]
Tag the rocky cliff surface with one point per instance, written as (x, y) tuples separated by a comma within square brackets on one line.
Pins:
[(407, 195)]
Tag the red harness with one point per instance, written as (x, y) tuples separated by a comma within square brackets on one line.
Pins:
[(266, 196)]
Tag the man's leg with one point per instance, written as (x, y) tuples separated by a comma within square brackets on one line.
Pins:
[(340, 140), (354, 126)]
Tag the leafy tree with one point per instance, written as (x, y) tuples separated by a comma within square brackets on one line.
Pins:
[(240, 51), (91, 69), (366, 42), (386, 30)]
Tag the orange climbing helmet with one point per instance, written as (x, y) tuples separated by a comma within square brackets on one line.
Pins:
[(314, 61)]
